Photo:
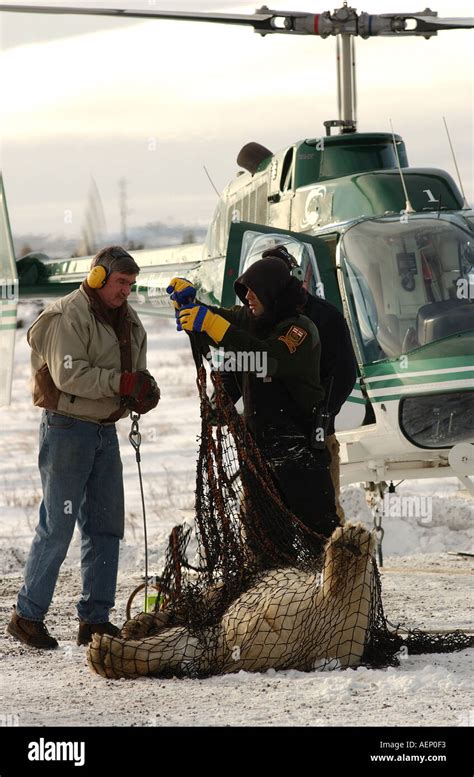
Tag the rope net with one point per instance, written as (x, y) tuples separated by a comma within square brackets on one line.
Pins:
[(267, 592)]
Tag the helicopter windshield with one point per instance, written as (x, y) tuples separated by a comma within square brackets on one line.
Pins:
[(408, 283)]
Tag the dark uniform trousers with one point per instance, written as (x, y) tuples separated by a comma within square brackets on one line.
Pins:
[(302, 475)]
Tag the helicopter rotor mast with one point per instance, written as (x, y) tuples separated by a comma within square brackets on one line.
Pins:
[(344, 22)]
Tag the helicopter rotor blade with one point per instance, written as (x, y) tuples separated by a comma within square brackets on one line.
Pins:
[(343, 21), (427, 24), (433, 23), (260, 21)]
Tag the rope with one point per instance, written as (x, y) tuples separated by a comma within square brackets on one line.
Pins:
[(135, 441)]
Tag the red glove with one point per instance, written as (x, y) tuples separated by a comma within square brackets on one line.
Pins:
[(140, 390)]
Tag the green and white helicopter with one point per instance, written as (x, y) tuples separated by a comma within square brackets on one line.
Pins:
[(390, 245)]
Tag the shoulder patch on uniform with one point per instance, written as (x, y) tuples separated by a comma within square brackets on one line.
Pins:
[(293, 338)]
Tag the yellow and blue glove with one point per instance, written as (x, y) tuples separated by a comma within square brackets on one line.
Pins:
[(198, 318), (181, 291)]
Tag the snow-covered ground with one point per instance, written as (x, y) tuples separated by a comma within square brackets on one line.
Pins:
[(423, 587)]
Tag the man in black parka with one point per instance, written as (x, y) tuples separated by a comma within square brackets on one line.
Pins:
[(338, 365), (337, 369)]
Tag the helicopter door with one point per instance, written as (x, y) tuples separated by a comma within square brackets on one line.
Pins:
[(8, 301), (247, 242)]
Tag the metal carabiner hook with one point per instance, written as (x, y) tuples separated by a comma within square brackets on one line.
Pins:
[(136, 440), (135, 437)]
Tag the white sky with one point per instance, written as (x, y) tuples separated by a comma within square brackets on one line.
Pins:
[(154, 101)]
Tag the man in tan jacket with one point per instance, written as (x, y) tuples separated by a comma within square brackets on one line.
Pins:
[(89, 369)]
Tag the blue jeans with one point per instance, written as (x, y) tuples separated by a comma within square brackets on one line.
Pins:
[(81, 473)]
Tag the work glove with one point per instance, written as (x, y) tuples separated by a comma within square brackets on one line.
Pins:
[(198, 318), (181, 291), (140, 391)]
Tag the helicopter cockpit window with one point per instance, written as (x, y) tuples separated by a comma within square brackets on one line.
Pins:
[(342, 160), (409, 284), (254, 243)]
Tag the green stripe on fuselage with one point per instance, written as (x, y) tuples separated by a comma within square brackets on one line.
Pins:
[(397, 397), (417, 365), (439, 377)]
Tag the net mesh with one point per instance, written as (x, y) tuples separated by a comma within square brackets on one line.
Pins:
[(267, 592)]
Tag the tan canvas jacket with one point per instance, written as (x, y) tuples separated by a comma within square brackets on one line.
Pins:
[(75, 359)]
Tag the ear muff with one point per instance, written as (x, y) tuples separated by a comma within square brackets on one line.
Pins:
[(297, 272), (97, 277), (281, 252)]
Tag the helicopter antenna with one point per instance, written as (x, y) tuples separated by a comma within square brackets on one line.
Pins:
[(211, 181), (466, 205), (408, 206)]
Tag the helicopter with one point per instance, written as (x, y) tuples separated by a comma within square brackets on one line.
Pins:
[(390, 245)]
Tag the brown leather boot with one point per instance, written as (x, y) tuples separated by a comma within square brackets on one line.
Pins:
[(86, 630), (32, 633)]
